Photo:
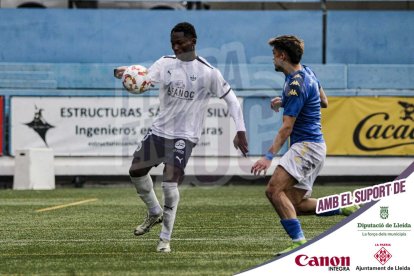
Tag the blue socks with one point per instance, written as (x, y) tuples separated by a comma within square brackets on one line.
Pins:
[(293, 228)]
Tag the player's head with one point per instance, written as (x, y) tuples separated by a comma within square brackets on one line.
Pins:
[(186, 28), (183, 39), (286, 48)]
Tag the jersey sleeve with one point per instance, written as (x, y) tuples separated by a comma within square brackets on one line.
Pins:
[(154, 71), (310, 71), (293, 96), (219, 87)]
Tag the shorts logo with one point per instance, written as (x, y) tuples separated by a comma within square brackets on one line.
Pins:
[(179, 159), (180, 144)]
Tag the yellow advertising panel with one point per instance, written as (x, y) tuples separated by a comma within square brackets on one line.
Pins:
[(369, 126)]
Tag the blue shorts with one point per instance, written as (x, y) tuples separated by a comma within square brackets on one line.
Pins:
[(154, 150)]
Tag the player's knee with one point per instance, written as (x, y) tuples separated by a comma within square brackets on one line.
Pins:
[(136, 172), (270, 192), (173, 174)]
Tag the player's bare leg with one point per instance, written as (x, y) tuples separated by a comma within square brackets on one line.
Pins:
[(280, 182)]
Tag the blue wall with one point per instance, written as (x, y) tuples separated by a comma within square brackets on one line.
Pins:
[(129, 36), (373, 37), (262, 124), (225, 37), (73, 53)]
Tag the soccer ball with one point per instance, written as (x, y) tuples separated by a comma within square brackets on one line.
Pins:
[(135, 79)]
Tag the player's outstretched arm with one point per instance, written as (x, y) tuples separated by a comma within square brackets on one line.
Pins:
[(119, 71), (262, 165), (283, 134)]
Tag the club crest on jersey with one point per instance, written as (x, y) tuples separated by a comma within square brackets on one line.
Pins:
[(193, 77), (179, 84), (180, 144)]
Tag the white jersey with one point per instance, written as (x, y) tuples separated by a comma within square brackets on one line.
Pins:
[(185, 88)]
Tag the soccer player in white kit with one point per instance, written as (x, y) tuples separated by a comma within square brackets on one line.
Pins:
[(186, 83)]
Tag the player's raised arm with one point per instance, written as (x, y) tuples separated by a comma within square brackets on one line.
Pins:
[(240, 140)]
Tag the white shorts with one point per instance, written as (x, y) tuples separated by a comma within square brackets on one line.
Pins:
[(304, 161)]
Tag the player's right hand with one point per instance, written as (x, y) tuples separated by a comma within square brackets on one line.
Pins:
[(240, 142), (276, 103), (118, 72), (261, 165)]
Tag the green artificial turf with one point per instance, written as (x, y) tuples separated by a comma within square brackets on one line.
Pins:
[(219, 231)]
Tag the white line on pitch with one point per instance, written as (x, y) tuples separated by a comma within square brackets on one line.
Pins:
[(140, 240), (66, 205)]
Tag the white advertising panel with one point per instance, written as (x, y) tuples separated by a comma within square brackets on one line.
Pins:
[(105, 126), (374, 241)]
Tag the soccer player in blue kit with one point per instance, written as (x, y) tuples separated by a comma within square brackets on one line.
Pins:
[(291, 184)]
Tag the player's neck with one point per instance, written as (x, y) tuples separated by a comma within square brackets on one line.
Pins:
[(188, 56), (290, 68)]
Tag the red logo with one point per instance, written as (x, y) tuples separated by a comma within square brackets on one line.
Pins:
[(383, 255), (304, 260)]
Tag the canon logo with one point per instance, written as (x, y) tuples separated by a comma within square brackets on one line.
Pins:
[(304, 260)]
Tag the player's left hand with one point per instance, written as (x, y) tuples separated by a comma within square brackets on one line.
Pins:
[(261, 165), (240, 142)]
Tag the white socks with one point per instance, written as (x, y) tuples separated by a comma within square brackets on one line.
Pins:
[(145, 190), (171, 199)]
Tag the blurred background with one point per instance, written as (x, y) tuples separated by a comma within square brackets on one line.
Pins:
[(57, 90)]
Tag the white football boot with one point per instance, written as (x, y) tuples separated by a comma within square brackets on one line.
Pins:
[(164, 246), (148, 223)]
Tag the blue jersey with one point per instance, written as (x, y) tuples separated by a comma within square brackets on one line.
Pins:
[(301, 99)]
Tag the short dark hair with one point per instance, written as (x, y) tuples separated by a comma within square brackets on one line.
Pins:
[(292, 45), (186, 28)]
